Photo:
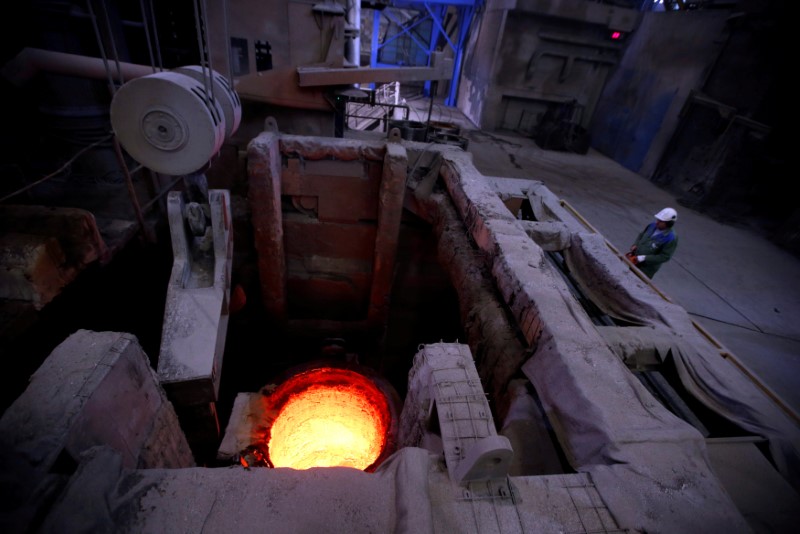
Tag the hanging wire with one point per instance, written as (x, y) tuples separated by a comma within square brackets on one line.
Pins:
[(201, 44), (227, 42), (146, 21), (100, 46), (137, 209), (58, 171), (113, 44), (148, 234), (204, 21), (155, 36)]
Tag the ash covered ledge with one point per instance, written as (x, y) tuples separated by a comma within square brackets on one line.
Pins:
[(95, 389), (196, 309)]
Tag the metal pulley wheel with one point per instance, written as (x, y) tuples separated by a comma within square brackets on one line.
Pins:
[(166, 122), (222, 92)]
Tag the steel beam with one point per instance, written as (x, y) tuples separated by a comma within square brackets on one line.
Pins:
[(319, 76)]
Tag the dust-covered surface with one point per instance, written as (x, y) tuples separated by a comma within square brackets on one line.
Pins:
[(339, 149), (640, 468), (653, 465), (410, 492), (96, 388), (551, 236), (444, 375), (103, 497), (196, 314), (727, 274), (245, 426), (496, 342), (526, 427), (703, 370)]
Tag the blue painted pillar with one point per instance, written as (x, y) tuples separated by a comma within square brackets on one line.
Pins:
[(376, 32)]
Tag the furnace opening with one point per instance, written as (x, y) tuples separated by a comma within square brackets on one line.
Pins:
[(327, 417)]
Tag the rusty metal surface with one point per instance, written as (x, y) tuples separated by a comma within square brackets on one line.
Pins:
[(44, 249), (390, 212), (263, 168), (322, 76), (317, 208), (345, 191)]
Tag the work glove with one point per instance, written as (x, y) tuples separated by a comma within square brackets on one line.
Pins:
[(632, 258), (639, 259)]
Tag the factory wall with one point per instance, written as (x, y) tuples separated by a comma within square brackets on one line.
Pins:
[(727, 157), (689, 99), (668, 56), (530, 55)]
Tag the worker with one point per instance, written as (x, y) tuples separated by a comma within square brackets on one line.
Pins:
[(656, 244)]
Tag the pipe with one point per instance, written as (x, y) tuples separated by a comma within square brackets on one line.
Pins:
[(30, 61), (354, 21)]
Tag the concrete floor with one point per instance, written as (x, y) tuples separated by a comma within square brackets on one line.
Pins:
[(736, 284)]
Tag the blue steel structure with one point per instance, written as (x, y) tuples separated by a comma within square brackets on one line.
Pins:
[(434, 11)]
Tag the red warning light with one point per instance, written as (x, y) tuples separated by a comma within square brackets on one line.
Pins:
[(616, 35)]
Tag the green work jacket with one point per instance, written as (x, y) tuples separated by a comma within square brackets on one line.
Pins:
[(656, 249)]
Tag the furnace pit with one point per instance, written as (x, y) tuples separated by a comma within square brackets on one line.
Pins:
[(328, 417), (323, 414)]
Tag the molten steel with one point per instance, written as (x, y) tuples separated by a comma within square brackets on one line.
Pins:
[(328, 417)]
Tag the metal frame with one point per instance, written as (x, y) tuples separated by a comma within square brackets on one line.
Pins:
[(434, 10)]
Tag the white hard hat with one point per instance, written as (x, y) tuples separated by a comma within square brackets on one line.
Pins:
[(667, 215)]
